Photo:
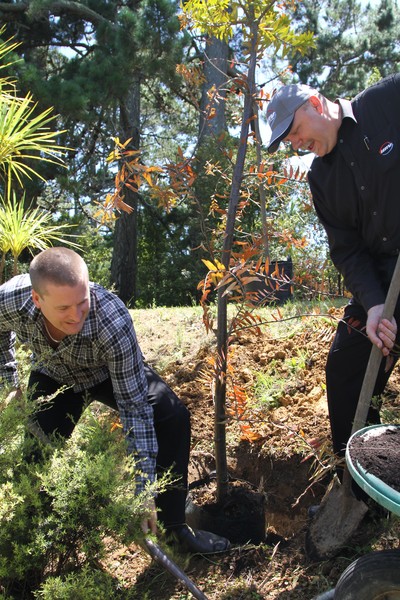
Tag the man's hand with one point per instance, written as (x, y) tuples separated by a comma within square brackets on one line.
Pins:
[(14, 395), (382, 333), (149, 523)]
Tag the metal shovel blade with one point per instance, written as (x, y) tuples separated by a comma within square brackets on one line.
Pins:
[(161, 557), (336, 520)]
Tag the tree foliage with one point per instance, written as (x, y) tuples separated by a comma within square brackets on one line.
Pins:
[(87, 58), (351, 43), (24, 136), (261, 27), (223, 18), (93, 60)]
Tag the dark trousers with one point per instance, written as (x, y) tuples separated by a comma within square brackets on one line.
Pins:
[(171, 421), (345, 370)]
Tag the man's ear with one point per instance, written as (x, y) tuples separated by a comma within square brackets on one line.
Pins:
[(316, 103), (36, 299)]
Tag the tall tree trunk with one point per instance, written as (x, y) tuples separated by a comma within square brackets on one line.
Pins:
[(124, 258), (215, 68)]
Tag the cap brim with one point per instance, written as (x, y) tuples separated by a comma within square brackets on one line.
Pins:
[(279, 134)]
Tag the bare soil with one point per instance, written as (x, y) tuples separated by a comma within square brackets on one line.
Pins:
[(276, 447)]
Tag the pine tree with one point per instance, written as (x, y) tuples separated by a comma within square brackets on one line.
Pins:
[(351, 44), (91, 61)]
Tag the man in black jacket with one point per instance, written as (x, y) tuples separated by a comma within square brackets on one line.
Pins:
[(355, 185)]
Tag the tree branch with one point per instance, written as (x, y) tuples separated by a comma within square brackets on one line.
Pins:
[(57, 8)]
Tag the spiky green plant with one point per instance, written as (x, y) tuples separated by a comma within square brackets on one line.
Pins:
[(6, 47), (24, 134), (31, 228)]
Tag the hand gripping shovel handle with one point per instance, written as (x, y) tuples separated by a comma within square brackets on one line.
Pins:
[(340, 513), (374, 362), (160, 556), (376, 354)]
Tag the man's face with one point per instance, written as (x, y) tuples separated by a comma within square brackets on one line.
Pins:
[(312, 130), (65, 307)]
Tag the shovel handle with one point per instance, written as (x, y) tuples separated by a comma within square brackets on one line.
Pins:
[(160, 556), (376, 355)]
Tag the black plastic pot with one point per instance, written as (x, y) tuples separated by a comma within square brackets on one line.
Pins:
[(240, 517), (372, 577), (273, 288)]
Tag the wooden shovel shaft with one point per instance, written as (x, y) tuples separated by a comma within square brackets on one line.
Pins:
[(376, 355), (340, 512)]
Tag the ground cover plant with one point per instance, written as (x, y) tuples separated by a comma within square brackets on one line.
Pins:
[(59, 502)]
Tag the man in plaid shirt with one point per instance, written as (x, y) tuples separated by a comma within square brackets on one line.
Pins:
[(83, 341)]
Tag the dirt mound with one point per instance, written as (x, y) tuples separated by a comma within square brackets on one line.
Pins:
[(272, 446)]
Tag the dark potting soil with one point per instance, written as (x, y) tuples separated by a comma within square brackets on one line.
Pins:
[(240, 516), (378, 452)]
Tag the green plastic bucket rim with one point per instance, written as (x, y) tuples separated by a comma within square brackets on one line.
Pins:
[(377, 489)]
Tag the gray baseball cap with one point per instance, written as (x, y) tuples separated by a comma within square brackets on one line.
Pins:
[(281, 110)]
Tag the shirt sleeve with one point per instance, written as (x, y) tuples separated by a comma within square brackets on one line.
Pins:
[(8, 362), (349, 253), (125, 363)]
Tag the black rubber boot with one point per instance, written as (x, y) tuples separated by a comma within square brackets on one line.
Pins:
[(197, 541)]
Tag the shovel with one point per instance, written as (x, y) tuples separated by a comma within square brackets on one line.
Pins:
[(340, 513), (160, 556)]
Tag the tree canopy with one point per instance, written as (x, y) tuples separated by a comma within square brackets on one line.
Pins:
[(352, 42), (134, 70)]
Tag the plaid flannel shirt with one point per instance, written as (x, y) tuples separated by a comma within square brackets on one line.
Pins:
[(105, 347)]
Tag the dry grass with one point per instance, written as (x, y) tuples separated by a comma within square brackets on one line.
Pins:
[(169, 335)]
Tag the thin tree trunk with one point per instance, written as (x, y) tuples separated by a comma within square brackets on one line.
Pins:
[(222, 327), (2, 265), (15, 265), (124, 258)]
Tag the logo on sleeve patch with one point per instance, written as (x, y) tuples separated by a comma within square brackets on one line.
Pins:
[(386, 148)]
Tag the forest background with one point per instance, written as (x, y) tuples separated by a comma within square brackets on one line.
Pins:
[(119, 71)]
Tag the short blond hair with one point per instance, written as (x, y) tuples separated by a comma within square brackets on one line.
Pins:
[(59, 266)]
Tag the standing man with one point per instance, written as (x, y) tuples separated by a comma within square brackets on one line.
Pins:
[(355, 185), (82, 337)]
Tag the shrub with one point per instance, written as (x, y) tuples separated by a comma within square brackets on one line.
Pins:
[(86, 585), (56, 510)]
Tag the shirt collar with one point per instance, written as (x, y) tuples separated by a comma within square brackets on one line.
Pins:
[(347, 110)]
